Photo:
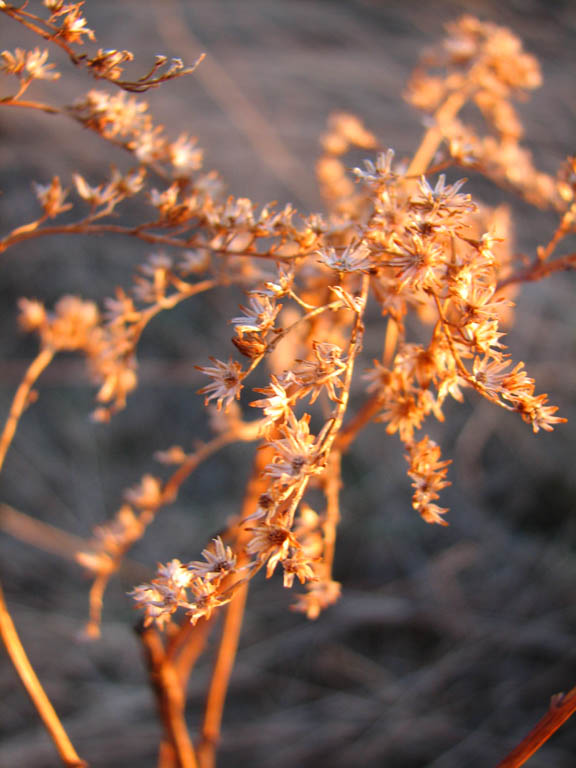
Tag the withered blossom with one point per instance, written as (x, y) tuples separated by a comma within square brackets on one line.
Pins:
[(258, 317), (205, 599), (320, 595), (52, 197), (146, 495), (379, 172), (297, 454), (428, 474), (271, 544), (278, 405), (226, 382), (28, 64), (297, 566), (353, 258), (219, 561), (321, 373)]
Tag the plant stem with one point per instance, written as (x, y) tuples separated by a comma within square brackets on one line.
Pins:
[(562, 707), (538, 270), (231, 629), (35, 690), (170, 698), (348, 433), (14, 102), (221, 678), (434, 135), (332, 493), (40, 362)]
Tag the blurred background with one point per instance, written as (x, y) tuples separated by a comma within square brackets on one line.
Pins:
[(447, 643)]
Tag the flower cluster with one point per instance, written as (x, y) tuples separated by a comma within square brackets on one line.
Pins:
[(486, 65), (26, 65), (196, 586), (401, 240)]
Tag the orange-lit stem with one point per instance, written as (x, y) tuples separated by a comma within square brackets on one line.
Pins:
[(35, 690), (562, 707)]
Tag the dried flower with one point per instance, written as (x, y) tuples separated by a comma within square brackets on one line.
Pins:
[(219, 561), (260, 316), (226, 385)]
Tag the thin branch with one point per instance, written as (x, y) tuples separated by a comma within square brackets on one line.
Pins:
[(562, 707), (565, 226), (22, 397), (434, 135), (390, 341), (354, 348), (538, 270), (168, 302), (221, 677), (12, 101), (170, 696), (34, 688), (187, 645), (96, 601), (53, 34), (46, 537), (172, 485), (348, 433), (332, 493), (231, 630), (141, 232)]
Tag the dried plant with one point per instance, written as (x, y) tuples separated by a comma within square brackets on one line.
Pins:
[(401, 251)]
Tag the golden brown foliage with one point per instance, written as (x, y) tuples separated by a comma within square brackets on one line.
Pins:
[(401, 251)]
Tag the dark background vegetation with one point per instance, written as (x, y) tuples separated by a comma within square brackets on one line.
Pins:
[(447, 643)]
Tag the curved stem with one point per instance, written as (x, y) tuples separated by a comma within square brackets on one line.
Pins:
[(35, 690), (40, 362), (566, 225), (539, 270), (434, 135), (141, 233), (14, 102), (172, 485)]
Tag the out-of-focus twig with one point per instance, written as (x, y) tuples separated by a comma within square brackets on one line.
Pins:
[(22, 398), (35, 690), (39, 534), (170, 698)]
